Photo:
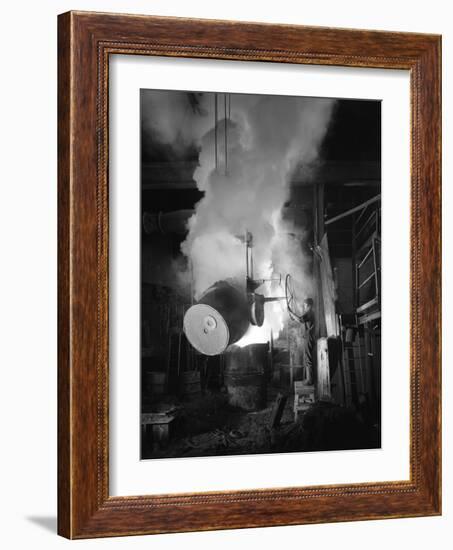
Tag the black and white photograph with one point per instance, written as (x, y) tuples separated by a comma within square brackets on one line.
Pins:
[(260, 274)]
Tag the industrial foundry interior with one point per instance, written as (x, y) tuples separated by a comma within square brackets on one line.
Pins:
[(252, 360)]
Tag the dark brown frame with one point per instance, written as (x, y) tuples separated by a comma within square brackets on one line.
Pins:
[(85, 41)]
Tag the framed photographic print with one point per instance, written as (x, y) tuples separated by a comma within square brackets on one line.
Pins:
[(249, 275)]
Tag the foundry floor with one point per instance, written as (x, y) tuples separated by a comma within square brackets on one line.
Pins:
[(208, 426)]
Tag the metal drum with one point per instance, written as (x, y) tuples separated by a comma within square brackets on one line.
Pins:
[(190, 384), (245, 376), (155, 383), (219, 319)]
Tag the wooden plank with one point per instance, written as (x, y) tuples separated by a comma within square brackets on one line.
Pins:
[(352, 210), (320, 324), (367, 305), (323, 372), (328, 288), (157, 418), (277, 409), (367, 280), (369, 317), (65, 478)]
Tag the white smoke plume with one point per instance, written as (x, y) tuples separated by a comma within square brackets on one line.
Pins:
[(179, 119), (267, 138)]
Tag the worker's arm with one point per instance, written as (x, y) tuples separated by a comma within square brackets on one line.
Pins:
[(309, 319)]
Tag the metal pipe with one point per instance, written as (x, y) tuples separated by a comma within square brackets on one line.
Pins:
[(352, 210), (170, 222)]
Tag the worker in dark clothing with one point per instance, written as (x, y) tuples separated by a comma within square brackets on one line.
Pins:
[(308, 339)]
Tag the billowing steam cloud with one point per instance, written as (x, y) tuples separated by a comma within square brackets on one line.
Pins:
[(179, 119), (267, 138)]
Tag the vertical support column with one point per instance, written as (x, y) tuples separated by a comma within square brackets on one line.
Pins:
[(354, 265), (320, 220), (318, 232), (323, 378)]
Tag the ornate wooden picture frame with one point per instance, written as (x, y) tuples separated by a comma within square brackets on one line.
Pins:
[(85, 41)]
